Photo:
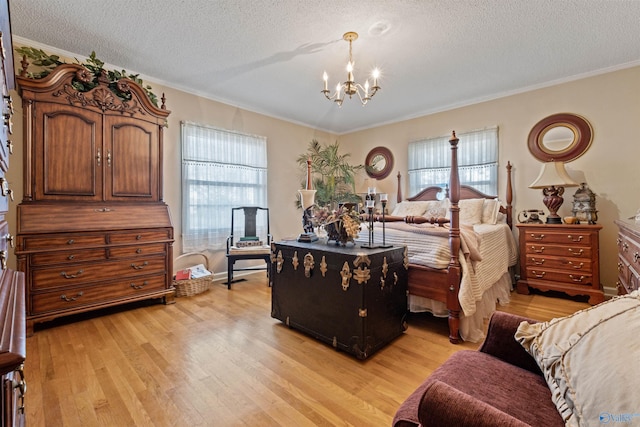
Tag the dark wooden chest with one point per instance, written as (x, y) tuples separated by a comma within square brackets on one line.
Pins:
[(350, 297)]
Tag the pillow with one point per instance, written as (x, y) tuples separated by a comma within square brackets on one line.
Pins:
[(471, 211), (410, 208), (490, 210), (590, 360), (436, 209)]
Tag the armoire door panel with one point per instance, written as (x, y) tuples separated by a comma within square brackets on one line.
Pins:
[(132, 167), (68, 151)]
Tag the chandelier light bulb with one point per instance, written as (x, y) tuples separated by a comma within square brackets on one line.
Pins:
[(350, 87)]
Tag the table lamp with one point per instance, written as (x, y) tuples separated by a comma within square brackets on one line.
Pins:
[(307, 200), (552, 180)]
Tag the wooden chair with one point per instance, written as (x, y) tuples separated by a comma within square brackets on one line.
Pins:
[(244, 243)]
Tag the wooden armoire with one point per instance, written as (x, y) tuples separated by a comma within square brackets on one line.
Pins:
[(93, 230)]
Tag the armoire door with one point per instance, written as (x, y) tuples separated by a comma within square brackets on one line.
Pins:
[(132, 168), (68, 153)]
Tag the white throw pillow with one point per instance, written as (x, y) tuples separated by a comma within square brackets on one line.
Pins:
[(471, 211), (490, 210), (410, 208), (590, 361)]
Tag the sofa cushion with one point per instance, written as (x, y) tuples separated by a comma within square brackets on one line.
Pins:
[(590, 360)]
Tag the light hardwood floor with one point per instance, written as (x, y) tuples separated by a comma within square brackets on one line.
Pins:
[(219, 359)]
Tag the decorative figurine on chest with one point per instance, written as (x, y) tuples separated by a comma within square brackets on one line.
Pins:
[(584, 205)]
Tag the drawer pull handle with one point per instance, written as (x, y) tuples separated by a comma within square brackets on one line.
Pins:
[(102, 210), (574, 239), (11, 240), (574, 252), (537, 236), (576, 266), (625, 246), (70, 257), (576, 279), (67, 299), (70, 242), (71, 276), (536, 262), (539, 275), (636, 256), (620, 266), (138, 251), (141, 266), (138, 237), (3, 259), (134, 286), (536, 250), (618, 241)]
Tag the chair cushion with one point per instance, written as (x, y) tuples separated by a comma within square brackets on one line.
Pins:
[(517, 392)]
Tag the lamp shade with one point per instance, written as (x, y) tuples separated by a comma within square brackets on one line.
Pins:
[(553, 174)]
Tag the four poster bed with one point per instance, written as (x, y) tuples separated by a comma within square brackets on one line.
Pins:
[(458, 266)]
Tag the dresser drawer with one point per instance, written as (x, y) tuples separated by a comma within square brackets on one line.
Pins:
[(560, 263), (629, 249), (139, 237), (66, 299), (46, 258), (576, 278), (572, 251), (137, 250), (560, 237), (76, 274), (63, 242)]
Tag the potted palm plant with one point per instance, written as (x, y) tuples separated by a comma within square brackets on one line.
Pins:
[(333, 178)]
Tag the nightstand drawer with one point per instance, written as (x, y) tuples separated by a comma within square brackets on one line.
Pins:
[(574, 238), (629, 249), (560, 263), (576, 278), (556, 250)]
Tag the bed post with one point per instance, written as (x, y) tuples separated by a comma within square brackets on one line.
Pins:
[(399, 192), (455, 271), (509, 197)]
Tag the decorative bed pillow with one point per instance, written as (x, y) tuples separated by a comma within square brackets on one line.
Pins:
[(411, 208), (490, 210), (590, 361), (471, 211)]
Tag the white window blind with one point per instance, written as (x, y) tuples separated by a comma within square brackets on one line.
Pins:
[(220, 170), (429, 161)]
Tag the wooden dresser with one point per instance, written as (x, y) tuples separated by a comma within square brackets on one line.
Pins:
[(560, 257), (93, 230), (12, 300), (628, 256)]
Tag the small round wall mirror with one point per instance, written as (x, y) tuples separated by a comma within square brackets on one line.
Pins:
[(379, 163), (560, 137)]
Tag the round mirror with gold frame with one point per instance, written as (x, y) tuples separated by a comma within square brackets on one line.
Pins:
[(561, 137), (379, 163)]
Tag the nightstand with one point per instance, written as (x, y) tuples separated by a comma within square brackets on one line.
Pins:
[(560, 257)]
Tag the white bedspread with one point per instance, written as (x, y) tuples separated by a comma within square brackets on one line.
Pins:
[(486, 254)]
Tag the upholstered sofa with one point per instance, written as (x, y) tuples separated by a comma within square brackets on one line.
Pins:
[(500, 384)]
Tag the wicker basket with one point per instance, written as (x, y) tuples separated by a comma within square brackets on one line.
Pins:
[(189, 287)]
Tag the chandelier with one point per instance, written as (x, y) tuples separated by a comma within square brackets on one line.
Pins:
[(350, 87)]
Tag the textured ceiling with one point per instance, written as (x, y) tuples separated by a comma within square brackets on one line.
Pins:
[(268, 56)]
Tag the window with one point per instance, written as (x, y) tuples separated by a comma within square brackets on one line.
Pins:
[(430, 161), (220, 170)]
